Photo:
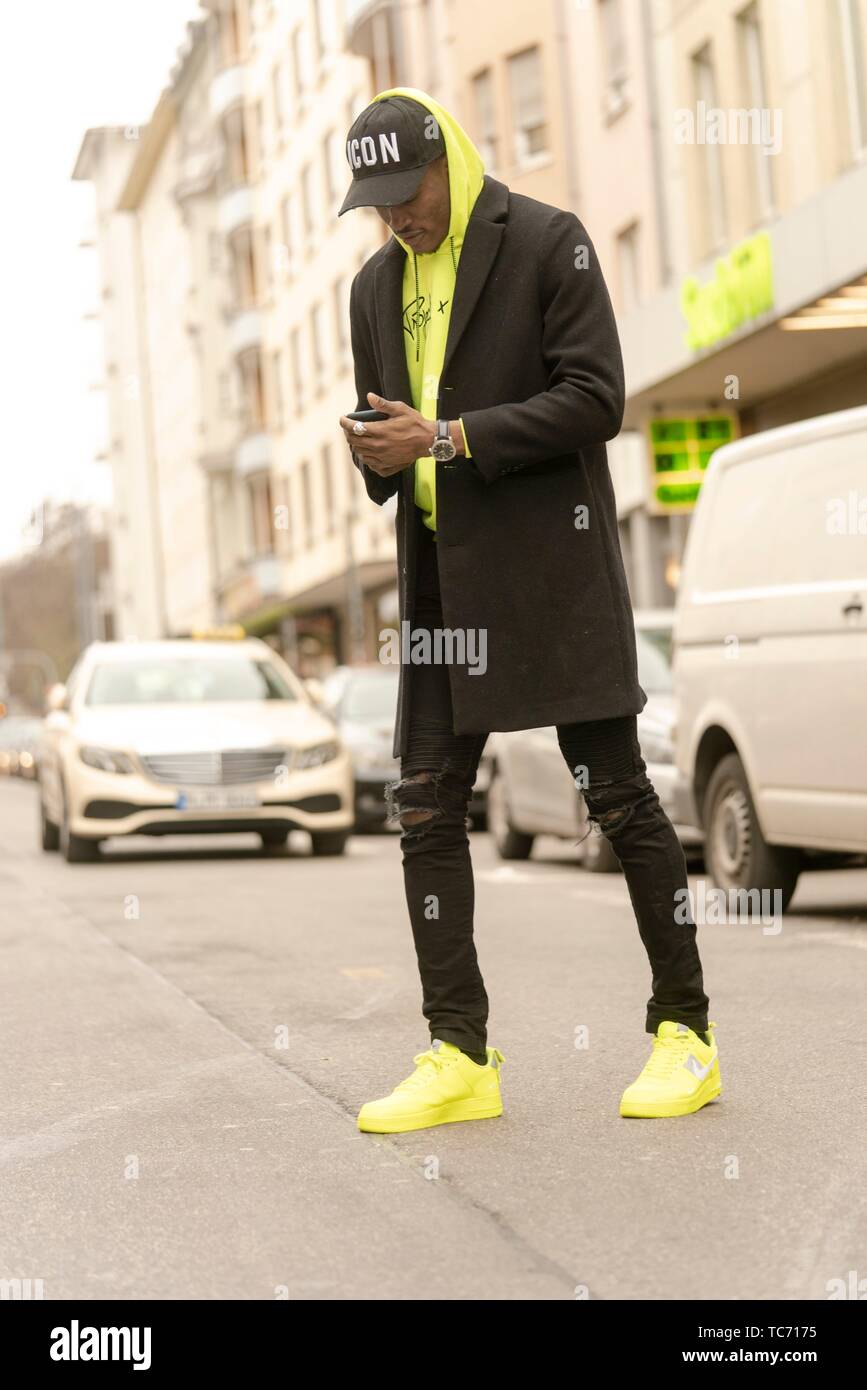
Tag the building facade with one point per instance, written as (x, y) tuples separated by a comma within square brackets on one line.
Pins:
[(716, 151)]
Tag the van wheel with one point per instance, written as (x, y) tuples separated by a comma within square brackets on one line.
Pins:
[(736, 853), (509, 843)]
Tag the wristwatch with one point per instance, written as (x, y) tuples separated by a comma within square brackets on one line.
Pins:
[(442, 448)]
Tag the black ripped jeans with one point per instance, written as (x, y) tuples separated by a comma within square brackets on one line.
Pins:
[(431, 799)]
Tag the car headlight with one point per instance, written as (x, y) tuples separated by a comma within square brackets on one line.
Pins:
[(106, 759), (314, 756)]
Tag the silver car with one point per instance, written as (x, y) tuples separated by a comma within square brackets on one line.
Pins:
[(531, 792), (362, 701)]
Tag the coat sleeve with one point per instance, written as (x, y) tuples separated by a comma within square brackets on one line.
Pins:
[(366, 379), (584, 401)]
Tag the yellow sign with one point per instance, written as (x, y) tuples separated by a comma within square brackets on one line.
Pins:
[(742, 288)]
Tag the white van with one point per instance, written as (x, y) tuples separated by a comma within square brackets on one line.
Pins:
[(770, 661)]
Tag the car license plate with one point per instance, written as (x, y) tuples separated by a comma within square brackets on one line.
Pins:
[(217, 799)]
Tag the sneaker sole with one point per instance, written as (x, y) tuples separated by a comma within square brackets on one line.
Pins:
[(425, 1119), (663, 1110)]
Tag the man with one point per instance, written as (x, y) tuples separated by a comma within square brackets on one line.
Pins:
[(483, 330)]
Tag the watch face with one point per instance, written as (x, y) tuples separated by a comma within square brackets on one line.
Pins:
[(443, 450)]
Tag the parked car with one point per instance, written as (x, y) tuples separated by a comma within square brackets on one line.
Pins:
[(532, 792), (362, 701), (19, 735), (189, 737), (771, 653)]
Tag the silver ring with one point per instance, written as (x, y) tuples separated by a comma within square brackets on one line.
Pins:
[(358, 428)]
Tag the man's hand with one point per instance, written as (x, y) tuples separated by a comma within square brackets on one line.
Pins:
[(389, 446)]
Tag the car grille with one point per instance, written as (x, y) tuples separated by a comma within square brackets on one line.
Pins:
[(224, 769)]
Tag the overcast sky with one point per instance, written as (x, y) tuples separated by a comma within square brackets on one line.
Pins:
[(65, 65)]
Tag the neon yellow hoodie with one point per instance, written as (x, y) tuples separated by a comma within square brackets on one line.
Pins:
[(429, 285)]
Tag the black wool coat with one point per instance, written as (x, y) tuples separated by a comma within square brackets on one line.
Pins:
[(527, 536)]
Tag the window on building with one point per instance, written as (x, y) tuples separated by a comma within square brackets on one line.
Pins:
[(486, 118), (613, 26), (318, 344), (328, 488), (308, 205), (252, 394), (237, 159), (334, 169), (283, 259), (528, 106), (755, 94), (230, 41), (277, 99), (300, 65), (261, 514), (295, 350), (629, 268), (282, 515), (244, 277), (850, 41), (277, 416), (712, 191), (266, 258), (325, 36), (340, 301), (259, 126), (307, 503)]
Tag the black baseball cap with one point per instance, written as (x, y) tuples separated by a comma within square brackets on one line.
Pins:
[(388, 148)]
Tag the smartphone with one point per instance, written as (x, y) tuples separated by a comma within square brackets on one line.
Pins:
[(368, 417)]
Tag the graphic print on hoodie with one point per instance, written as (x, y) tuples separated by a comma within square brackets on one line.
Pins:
[(429, 284)]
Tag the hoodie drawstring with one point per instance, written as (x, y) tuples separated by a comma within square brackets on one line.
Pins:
[(418, 333)]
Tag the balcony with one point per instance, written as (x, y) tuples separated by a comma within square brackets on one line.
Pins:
[(372, 31), (227, 90), (235, 209), (254, 454), (245, 331)]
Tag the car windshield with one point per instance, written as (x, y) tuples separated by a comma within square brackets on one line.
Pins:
[(371, 698), (185, 681), (654, 661)]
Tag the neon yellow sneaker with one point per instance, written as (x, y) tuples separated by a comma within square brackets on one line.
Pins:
[(445, 1086), (681, 1076)]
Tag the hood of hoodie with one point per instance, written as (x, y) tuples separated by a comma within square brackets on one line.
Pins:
[(466, 170)]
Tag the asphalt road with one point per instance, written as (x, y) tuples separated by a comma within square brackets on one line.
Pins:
[(188, 1031)]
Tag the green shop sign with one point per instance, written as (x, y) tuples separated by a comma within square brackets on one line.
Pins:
[(742, 288), (680, 451)]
